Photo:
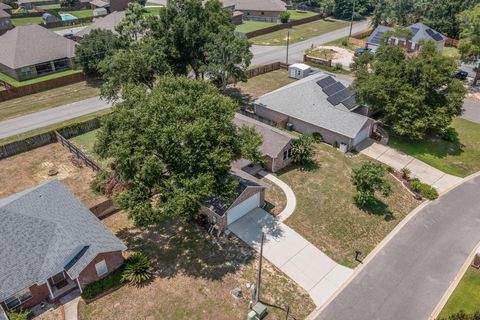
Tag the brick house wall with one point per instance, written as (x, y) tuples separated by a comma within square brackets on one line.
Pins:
[(114, 260), (39, 293), (271, 16), (279, 163)]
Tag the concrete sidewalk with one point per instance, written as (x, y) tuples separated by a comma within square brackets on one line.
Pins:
[(313, 270), (398, 160), (289, 194)]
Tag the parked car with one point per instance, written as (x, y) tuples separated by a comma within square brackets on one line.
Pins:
[(460, 74), (360, 51)]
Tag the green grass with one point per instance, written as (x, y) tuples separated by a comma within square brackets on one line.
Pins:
[(16, 83), (86, 143), (342, 43), (24, 21), (50, 6), (299, 33), (295, 15), (81, 13), (459, 159), (55, 126), (325, 54), (249, 26), (325, 213), (153, 11), (451, 52), (466, 296), (329, 69)]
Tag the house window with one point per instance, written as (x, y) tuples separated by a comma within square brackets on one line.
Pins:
[(290, 152), (287, 154), (262, 13), (101, 268), (18, 298)]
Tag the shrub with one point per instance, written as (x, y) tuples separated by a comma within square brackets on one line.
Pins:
[(98, 184), (406, 173), (449, 134), (337, 67), (390, 169), (19, 315), (345, 42), (424, 189), (284, 16), (317, 137), (137, 269), (94, 289)]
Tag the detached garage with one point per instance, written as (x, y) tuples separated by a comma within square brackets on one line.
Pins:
[(250, 194)]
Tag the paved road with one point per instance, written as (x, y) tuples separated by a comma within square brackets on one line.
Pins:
[(408, 277), (267, 54), (51, 116), (472, 110)]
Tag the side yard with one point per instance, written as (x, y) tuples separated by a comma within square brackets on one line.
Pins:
[(326, 215), (194, 276), (466, 296)]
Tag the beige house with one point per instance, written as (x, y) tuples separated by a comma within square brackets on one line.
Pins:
[(260, 10)]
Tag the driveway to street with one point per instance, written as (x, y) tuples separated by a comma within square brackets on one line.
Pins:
[(408, 277), (472, 110), (48, 117), (268, 54)]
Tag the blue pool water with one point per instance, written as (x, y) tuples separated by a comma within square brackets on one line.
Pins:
[(67, 16)]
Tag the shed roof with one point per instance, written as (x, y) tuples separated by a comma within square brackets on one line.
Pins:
[(46, 230), (301, 66), (108, 22), (306, 100), (32, 44)]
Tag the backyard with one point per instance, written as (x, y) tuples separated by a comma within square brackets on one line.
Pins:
[(195, 274), (48, 99), (249, 26), (299, 33), (326, 215), (457, 158), (466, 296), (301, 14), (16, 83)]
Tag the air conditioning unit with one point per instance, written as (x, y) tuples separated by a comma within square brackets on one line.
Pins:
[(289, 126)]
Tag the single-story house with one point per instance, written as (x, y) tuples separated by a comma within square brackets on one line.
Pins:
[(5, 21), (260, 10), (108, 22), (110, 5), (249, 195), (420, 33), (276, 147), (30, 51), (51, 244), (319, 103)]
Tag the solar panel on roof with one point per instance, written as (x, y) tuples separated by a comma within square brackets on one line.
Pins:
[(377, 37), (325, 82), (334, 88), (350, 103), (434, 35), (414, 30), (340, 96)]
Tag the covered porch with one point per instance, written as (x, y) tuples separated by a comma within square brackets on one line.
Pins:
[(61, 284)]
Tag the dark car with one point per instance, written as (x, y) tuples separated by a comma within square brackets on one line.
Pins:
[(460, 74), (360, 51)]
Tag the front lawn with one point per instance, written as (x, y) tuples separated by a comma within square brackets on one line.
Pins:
[(466, 296), (322, 53), (298, 15), (249, 26), (326, 215), (451, 52), (194, 275), (459, 159), (16, 83), (299, 33)]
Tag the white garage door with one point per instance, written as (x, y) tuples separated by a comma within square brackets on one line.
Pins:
[(243, 208), (362, 135)]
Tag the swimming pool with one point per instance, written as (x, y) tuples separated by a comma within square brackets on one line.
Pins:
[(67, 16)]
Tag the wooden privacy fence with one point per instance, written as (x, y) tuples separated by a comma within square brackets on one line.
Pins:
[(357, 42), (452, 42), (17, 92), (307, 58), (73, 149), (103, 209), (282, 26), (266, 68)]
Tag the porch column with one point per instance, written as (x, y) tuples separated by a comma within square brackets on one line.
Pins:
[(50, 290), (79, 285)]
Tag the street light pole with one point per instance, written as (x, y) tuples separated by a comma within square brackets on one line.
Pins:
[(288, 41), (351, 21), (257, 297)]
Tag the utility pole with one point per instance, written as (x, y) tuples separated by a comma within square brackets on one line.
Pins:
[(286, 61), (351, 21), (257, 297)]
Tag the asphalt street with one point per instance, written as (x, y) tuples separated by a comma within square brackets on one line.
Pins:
[(409, 276), (471, 110)]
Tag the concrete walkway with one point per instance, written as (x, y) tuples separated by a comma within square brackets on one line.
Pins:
[(291, 199), (70, 305), (398, 160)]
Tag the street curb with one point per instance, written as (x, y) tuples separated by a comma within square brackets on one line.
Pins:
[(382, 244), (454, 284)]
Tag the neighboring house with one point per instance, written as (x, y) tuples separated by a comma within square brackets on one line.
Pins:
[(249, 195), (276, 147), (260, 10), (51, 244), (5, 21), (4, 6), (420, 33), (110, 5), (318, 104), (30, 51), (108, 22)]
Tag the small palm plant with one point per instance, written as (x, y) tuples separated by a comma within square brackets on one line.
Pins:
[(137, 269)]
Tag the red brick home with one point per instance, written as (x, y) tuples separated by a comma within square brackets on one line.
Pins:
[(51, 245)]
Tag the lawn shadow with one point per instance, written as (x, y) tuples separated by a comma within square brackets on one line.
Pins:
[(310, 166), (378, 208), (187, 248), (238, 96)]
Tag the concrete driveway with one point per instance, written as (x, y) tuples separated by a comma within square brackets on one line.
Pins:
[(398, 160), (471, 109), (313, 270)]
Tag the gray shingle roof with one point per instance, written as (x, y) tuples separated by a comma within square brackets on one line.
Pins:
[(4, 14), (305, 100), (32, 44), (274, 140), (43, 229), (108, 22), (376, 36), (260, 5), (4, 6), (425, 33)]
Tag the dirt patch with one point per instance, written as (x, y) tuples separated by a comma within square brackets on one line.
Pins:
[(336, 54), (30, 168)]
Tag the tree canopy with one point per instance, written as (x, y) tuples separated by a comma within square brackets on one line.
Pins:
[(368, 179), (416, 94), (470, 37), (173, 146)]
